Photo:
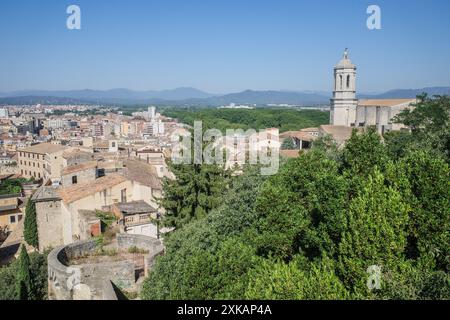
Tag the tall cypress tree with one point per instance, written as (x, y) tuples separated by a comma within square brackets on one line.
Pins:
[(30, 225), (23, 281)]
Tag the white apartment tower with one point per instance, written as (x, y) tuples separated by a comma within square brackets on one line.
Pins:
[(344, 102), (151, 112)]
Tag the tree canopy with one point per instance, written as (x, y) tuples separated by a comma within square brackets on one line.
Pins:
[(329, 225)]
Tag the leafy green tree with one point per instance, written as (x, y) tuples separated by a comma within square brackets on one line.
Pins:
[(9, 276), (30, 231), (429, 121), (376, 232), (272, 280), (280, 281), (363, 152), (196, 190), (205, 247), (302, 208), (429, 199), (24, 288)]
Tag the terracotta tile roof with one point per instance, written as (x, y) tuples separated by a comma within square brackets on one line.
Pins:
[(133, 207), (79, 167), (298, 134), (384, 102), (74, 152), (142, 173), (339, 133), (313, 129), (44, 148), (80, 191), (290, 153)]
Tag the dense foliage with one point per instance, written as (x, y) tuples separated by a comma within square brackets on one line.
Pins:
[(222, 119), (11, 186), (25, 278), (320, 227), (30, 232)]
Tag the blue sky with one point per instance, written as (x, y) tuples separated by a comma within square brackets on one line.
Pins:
[(222, 45)]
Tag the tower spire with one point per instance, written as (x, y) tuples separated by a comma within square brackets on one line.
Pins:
[(346, 53)]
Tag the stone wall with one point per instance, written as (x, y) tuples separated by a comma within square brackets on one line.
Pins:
[(49, 222), (88, 281), (126, 241), (83, 176)]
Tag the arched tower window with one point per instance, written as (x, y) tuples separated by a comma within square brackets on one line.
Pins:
[(340, 81), (348, 81)]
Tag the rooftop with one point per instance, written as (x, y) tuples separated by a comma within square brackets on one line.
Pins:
[(80, 191), (142, 173), (305, 136), (79, 167), (74, 152), (339, 133), (127, 208), (384, 102), (44, 148), (44, 194)]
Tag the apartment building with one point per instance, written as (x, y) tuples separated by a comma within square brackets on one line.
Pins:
[(41, 161)]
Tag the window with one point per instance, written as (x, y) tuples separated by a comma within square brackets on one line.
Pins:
[(123, 195), (74, 180), (340, 81), (348, 81), (12, 219)]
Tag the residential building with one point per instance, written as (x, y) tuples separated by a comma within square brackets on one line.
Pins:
[(137, 217), (41, 161), (12, 210)]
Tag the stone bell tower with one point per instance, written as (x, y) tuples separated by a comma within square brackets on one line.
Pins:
[(344, 102)]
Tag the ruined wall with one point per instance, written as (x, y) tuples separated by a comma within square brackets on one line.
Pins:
[(89, 281)]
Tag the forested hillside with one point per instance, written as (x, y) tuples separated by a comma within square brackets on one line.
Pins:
[(222, 119)]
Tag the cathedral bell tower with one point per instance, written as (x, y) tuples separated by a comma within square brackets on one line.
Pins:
[(344, 102)]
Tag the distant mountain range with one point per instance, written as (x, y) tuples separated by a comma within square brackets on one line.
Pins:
[(187, 96)]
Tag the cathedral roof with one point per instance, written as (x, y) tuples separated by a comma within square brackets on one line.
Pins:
[(384, 102)]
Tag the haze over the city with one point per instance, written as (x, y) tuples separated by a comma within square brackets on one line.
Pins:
[(221, 46)]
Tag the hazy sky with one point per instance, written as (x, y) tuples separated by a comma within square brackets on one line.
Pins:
[(221, 45)]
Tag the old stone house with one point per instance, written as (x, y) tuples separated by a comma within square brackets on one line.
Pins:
[(61, 210)]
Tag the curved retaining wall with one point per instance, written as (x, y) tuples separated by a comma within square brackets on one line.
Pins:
[(87, 281)]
